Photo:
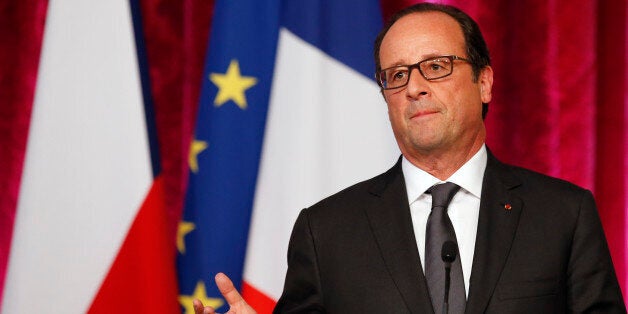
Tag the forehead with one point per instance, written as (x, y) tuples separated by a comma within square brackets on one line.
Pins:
[(420, 35)]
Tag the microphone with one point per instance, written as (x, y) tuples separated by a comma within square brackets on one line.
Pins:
[(448, 254)]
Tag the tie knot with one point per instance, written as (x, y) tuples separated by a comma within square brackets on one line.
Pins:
[(443, 193)]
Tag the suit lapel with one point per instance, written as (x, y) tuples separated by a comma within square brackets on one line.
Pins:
[(390, 219), (499, 217)]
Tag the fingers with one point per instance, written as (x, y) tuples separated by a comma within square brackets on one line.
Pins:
[(227, 289), (198, 306), (200, 309), (230, 294)]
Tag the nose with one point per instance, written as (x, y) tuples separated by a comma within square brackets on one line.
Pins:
[(417, 85)]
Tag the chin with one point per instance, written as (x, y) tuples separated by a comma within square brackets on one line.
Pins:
[(423, 145)]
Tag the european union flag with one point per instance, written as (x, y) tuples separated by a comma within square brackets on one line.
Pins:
[(225, 153)]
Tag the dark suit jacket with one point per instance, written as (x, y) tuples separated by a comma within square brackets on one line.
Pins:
[(355, 252)]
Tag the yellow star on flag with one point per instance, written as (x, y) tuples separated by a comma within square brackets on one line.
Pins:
[(231, 85), (199, 293), (196, 148), (184, 228)]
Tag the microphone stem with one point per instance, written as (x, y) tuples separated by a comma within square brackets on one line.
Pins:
[(447, 284)]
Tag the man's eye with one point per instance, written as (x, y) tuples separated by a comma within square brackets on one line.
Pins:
[(436, 67), (398, 75)]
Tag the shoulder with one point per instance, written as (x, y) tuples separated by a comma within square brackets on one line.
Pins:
[(353, 199), (543, 198), (541, 184), (529, 182)]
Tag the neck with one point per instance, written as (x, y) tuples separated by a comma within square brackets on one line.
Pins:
[(443, 163)]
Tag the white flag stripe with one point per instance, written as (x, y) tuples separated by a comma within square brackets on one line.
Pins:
[(87, 166), (327, 128)]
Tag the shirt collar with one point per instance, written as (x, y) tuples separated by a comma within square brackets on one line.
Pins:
[(469, 177)]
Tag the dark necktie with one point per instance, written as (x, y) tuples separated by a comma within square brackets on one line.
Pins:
[(439, 229)]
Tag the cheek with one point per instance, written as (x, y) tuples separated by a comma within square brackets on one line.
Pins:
[(465, 103), (395, 108), (395, 117), (472, 108)]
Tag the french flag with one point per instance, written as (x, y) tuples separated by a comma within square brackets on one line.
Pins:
[(327, 126)]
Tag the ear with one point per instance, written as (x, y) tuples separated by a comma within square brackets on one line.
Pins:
[(485, 80)]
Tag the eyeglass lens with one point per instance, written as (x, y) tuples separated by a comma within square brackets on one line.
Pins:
[(430, 69)]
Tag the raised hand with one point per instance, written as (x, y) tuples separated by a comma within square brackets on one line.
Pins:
[(237, 305)]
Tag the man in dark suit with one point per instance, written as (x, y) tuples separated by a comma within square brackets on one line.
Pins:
[(525, 242)]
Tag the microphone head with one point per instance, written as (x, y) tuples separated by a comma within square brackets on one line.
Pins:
[(449, 251)]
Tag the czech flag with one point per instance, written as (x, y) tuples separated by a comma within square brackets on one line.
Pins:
[(90, 232)]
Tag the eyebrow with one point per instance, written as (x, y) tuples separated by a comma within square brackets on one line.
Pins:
[(424, 57)]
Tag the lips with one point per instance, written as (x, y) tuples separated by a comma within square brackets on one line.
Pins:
[(423, 113)]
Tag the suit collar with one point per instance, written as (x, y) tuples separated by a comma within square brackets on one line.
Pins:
[(500, 210), (389, 217)]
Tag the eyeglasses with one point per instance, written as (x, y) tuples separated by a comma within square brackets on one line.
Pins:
[(431, 69)]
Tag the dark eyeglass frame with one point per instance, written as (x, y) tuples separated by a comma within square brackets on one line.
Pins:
[(381, 73)]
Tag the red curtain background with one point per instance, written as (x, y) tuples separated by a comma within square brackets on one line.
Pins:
[(560, 93), (21, 30)]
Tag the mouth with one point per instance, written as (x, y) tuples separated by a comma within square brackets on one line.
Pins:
[(423, 113)]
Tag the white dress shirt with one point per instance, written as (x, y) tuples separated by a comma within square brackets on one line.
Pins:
[(463, 211)]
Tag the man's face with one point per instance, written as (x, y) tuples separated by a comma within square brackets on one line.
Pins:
[(439, 116)]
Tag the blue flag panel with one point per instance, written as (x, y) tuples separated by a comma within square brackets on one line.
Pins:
[(226, 150), (343, 29)]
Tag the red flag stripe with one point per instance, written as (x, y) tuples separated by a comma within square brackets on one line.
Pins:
[(257, 299), (142, 279)]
